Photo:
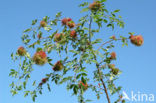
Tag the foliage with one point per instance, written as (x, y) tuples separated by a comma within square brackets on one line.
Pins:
[(78, 48)]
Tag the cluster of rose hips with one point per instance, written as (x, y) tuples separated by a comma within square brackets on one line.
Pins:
[(69, 22), (66, 21), (40, 58), (59, 37), (137, 40), (114, 70)]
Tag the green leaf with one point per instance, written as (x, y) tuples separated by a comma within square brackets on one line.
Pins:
[(24, 84), (105, 20), (34, 83), (34, 22), (12, 85), (13, 73), (48, 87), (40, 92), (111, 25), (27, 41), (12, 56), (115, 11), (49, 60), (26, 94), (19, 88), (14, 92), (45, 18), (52, 35), (83, 4), (34, 97), (96, 41), (84, 10), (103, 0), (79, 75), (58, 14), (131, 33), (75, 89), (47, 28), (88, 100), (94, 61), (76, 52), (27, 30)]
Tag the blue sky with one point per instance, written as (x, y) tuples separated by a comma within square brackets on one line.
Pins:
[(137, 64)]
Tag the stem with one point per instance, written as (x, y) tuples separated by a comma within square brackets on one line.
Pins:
[(104, 86), (108, 42), (97, 65), (116, 89), (108, 99), (81, 97), (90, 25), (105, 43)]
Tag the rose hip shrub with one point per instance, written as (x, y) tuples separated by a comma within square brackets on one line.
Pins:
[(72, 52)]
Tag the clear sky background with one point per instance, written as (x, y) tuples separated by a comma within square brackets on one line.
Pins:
[(137, 63)]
